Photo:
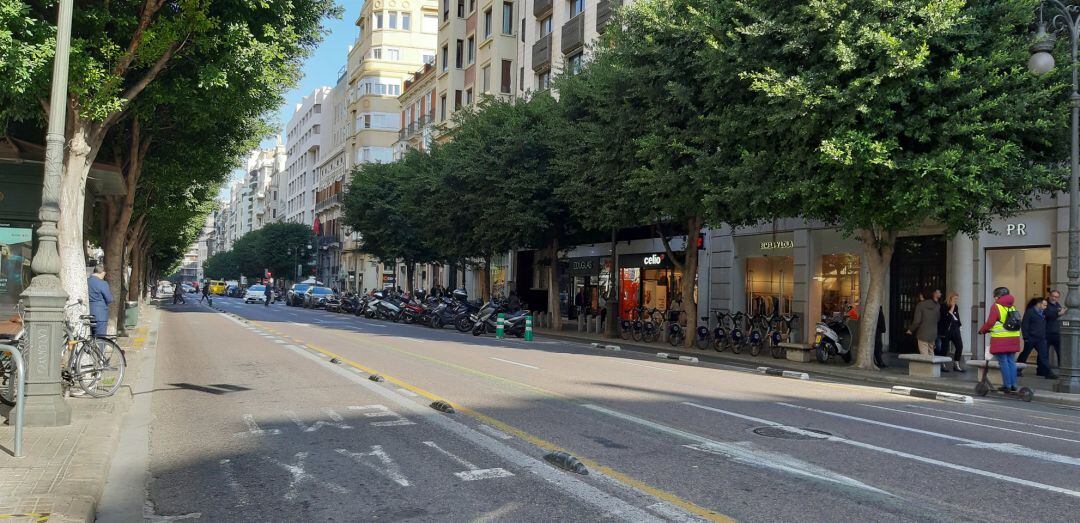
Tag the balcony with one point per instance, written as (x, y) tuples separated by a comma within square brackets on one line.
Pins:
[(605, 9), (573, 34), (329, 202), (416, 127), (541, 54), (541, 7)]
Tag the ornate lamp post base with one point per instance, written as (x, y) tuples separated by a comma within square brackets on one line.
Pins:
[(43, 405)]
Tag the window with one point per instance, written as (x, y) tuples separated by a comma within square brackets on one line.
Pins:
[(361, 37), (445, 10), (376, 53), (472, 49), (545, 26), (521, 75), (522, 29), (378, 20), (442, 107), (457, 99), (543, 80), (573, 64), (468, 97), (576, 7), (487, 24), (507, 70), (429, 57), (445, 58), (472, 5), (485, 77), (461, 8), (393, 54), (406, 21), (430, 24), (367, 121), (459, 54), (391, 19), (508, 18)]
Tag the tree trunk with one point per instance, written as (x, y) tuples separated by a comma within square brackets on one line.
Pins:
[(410, 273), (79, 158), (689, 279), (612, 326), (878, 247), (485, 279), (553, 287)]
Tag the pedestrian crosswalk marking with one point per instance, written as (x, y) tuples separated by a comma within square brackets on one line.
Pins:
[(335, 421), (474, 473), (380, 411), (386, 465)]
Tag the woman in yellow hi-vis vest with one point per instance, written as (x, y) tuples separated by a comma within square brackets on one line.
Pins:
[(1004, 343)]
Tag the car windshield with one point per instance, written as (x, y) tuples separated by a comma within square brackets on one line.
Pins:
[(300, 287), (256, 288), (322, 290)]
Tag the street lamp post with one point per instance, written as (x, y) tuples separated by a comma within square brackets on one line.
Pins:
[(44, 299), (1066, 19)]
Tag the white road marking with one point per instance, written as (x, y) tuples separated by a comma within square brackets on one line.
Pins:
[(474, 473), (230, 480), (515, 363), (293, 347), (1029, 411), (408, 392), (745, 453), (300, 324), (492, 431), (993, 419), (670, 513), (382, 412), (335, 421), (646, 366), (1006, 448), (254, 430), (969, 423), (414, 340), (279, 342), (300, 476), (578, 489), (386, 466), (893, 452)]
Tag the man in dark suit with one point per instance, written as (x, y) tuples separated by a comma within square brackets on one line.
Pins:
[(99, 297)]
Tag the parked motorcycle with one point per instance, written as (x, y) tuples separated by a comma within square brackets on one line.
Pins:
[(832, 338), (349, 303), (487, 320)]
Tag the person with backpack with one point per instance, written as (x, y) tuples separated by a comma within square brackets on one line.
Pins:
[(1034, 329), (1003, 324)]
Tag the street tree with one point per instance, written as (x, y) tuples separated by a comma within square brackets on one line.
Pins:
[(119, 49), (282, 245), (222, 266), (882, 117)]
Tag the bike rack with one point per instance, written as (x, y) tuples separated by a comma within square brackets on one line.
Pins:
[(20, 389)]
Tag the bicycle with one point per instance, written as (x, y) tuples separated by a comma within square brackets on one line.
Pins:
[(703, 337), (675, 332), (738, 336), (755, 338), (95, 364), (774, 336), (721, 340), (653, 325)]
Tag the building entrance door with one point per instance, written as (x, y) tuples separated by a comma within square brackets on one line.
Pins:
[(918, 263)]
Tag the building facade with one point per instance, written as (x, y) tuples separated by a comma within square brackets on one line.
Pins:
[(332, 177), (417, 112), (555, 36), (303, 142)]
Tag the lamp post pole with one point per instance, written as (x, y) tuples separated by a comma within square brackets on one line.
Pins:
[(44, 299), (1065, 18)]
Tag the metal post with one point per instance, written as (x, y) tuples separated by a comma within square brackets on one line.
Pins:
[(528, 328), (44, 314), (500, 326), (20, 375)]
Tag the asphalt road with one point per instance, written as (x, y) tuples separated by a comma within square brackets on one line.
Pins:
[(253, 422)]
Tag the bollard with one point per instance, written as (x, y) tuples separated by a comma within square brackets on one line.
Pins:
[(499, 326), (528, 328), (599, 326)]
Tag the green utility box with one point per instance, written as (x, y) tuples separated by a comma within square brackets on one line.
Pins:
[(131, 314)]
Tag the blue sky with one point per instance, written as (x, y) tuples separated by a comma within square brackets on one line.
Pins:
[(321, 68)]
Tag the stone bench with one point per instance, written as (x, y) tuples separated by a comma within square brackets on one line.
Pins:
[(925, 366), (993, 364), (799, 352)]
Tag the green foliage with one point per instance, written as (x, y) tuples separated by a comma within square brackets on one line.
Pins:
[(278, 247), (222, 266)]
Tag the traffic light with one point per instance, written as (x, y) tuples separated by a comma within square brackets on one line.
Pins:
[(700, 240)]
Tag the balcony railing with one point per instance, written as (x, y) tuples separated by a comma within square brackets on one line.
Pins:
[(604, 10), (329, 202), (541, 7), (573, 33), (541, 53)]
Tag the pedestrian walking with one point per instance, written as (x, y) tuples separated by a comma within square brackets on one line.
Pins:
[(99, 297), (1003, 324), (925, 324), (879, 342), (178, 295), (1033, 331), (268, 293), (1054, 311), (949, 332), (205, 295)]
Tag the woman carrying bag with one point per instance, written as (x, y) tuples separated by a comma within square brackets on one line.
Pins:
[(949, 332)]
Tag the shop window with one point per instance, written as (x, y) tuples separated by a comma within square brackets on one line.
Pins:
[(769, 284), (839, 284), (15, 250)]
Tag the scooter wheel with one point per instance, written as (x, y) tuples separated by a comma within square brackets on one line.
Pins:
[(822, 353), (1026, 394), (477, 331), (436, 323), (982, 389)]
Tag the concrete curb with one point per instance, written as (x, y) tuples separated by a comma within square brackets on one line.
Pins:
[(933, 395), (689, 359), (615, 348), (783, 373)]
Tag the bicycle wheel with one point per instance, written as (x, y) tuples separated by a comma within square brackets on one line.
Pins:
[(736, 347), (721, 344), (636, 333), (624, 332), (83, 367), (110, 365), (778, 352)]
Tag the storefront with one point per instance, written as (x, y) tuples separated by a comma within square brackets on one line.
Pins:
[(16, 246), (648, 280), (767, 263), (580, 288), (1018, 255)]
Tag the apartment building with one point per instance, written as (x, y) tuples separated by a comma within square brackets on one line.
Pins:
[(555, 36), (417, 112), (302, 143), (263, 168), (477, 54), (332, 177)]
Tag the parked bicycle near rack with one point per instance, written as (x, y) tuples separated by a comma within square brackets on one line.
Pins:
[(94, 364), (739, 336), (721, 334), (774, 335), (755, 335)]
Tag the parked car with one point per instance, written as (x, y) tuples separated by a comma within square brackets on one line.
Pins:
[(166, 289), (295, 296), (255, 294), (316, 297), (187, 288), (234, 291)]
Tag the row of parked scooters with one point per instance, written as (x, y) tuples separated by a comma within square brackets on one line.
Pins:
[(454, 311)]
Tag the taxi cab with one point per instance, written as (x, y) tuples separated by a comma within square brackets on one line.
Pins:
[(217, 287)]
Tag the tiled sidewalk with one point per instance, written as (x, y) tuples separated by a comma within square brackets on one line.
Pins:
[(63, 472), (894, 374)]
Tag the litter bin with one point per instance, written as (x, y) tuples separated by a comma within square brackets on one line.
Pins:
[(131, 314)]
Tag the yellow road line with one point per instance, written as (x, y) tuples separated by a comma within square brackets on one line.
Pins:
[(663, 495)]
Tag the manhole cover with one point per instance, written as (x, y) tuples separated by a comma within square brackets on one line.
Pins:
[(782, 433)]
